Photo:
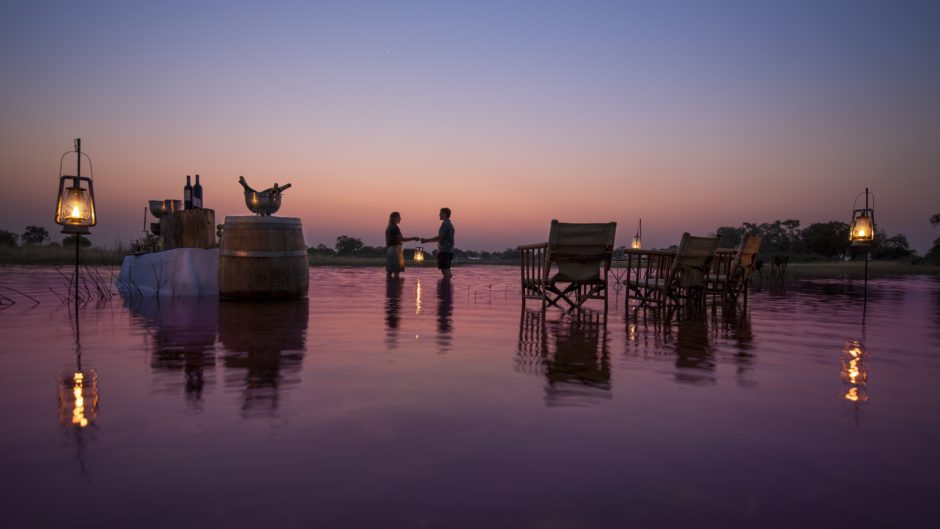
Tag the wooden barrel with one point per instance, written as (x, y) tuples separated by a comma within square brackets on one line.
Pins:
[(263, 258)]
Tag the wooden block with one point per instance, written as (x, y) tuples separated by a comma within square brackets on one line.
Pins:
[(190, 228)]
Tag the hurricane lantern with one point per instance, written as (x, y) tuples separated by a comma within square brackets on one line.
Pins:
[(418, 256), (638, 238), (75, 207), (862, 232)]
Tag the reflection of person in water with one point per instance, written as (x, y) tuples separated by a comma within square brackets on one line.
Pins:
[(445, 312), (394, 288), (267, 340)]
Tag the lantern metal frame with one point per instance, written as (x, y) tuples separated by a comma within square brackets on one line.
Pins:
[(860, 216), (73, 226)]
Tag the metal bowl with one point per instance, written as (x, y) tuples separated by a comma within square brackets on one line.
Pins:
[(157, 208), (263, 203)]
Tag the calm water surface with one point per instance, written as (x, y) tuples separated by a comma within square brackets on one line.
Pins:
[(421, 404)]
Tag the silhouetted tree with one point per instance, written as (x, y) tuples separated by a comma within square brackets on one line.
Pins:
[(933, 254), (729, 237), (509, 254), (34, 235), (371, 251), (321, 250), (777, 236), (8, 238), (348, 245), (829, 239), (895, 247), (70, 241)]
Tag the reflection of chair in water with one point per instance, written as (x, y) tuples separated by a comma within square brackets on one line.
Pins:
[(778, 268), (182, 338), (736, 326), (267, 340), (695, 360), (570, 353), (582, 255)]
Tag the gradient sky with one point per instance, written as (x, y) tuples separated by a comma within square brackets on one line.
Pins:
[(691, 115)]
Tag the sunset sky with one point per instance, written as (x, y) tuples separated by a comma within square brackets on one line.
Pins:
[(691, 115)]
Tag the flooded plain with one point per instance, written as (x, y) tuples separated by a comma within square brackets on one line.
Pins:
[(425, 404)]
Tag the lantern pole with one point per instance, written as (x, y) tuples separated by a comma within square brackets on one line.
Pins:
[(78, 172), (867, 255)]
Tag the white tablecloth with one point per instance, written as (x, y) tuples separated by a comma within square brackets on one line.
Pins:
[(173, 273)]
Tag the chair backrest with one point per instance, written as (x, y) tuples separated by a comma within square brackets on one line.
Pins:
[(693, 259), (580, 249), (746, 252)]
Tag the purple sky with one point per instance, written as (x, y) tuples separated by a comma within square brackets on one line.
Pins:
[(690, 115)]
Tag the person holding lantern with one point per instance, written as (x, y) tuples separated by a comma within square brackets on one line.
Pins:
[(394, 253), (445, 243)]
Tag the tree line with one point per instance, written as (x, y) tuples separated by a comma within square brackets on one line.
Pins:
[(35, 236), (821, 240), (818, 241)]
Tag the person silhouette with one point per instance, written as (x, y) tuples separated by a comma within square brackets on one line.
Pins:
[(445, 243), (394, 252)]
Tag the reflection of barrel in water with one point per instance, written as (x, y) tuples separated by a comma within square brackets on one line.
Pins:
[(181, 338), (571, 354), (267, 340)]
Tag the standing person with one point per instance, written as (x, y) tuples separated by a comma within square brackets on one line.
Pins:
[(445, 243), (394, 253)]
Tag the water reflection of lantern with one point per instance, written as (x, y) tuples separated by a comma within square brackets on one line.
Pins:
[(75, 208), (638, 238), (78, 398), (862, 232), (418, 256), (854, 371), (418, 299)]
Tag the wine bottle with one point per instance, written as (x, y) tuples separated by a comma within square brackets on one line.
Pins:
[(188, 195), (197, 194)]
